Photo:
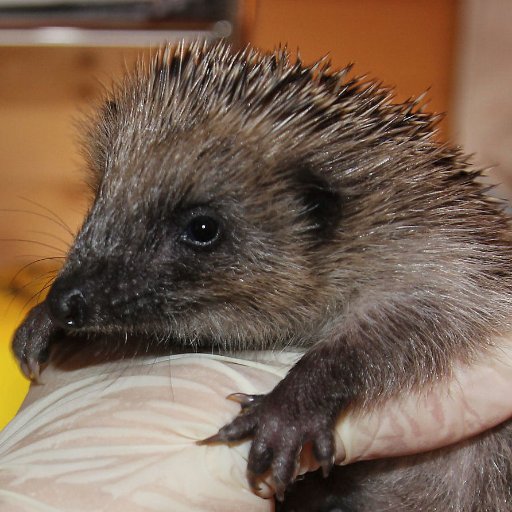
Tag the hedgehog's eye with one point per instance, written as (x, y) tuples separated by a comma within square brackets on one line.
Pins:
[(202, 231)]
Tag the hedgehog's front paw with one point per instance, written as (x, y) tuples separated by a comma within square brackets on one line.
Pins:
[(280, 426), (31, 343)]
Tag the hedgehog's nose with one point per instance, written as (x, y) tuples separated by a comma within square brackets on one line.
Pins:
[(67, 305)]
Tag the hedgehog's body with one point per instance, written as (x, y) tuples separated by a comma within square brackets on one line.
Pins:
[(246, 202)]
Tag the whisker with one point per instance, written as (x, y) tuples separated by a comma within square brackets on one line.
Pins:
[(37, 214), (32, 255), (37, 295), (35, 279), (18, 292), (47, 285), (36, 242), (58, 219), (51, 235), (24, 267)]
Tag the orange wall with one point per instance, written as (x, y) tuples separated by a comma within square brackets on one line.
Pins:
[(405, 43)]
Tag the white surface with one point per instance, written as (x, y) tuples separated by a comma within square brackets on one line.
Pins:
[(122, 436)]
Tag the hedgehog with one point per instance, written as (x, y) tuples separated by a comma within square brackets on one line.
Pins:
[(246, 201)]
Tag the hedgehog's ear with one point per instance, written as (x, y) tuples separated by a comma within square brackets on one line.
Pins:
[(322, 203)]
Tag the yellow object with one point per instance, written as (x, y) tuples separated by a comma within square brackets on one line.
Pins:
[(13, 385)]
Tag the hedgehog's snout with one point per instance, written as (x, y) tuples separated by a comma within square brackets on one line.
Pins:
[(67, 305)]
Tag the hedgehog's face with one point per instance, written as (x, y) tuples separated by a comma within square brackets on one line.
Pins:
[(208, 236), (217, 179)]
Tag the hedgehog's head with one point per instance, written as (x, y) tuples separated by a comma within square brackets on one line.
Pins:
[(214, 196)]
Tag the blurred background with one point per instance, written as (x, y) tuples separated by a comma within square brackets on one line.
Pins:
[(56, 58)]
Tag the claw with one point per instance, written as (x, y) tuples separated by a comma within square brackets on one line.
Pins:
[(25, 370), (31, 369), (324, 452), (242, 399), (326, 466), (216, 438), (280, 492), (220, 437), (254, 481)]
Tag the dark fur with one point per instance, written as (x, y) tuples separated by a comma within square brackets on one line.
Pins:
[(345, 227)]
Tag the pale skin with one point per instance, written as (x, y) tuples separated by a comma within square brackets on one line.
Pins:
[(476, 398)]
